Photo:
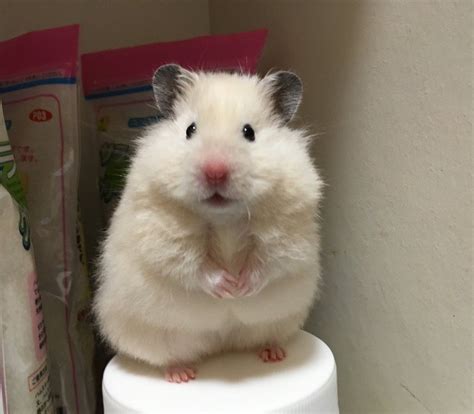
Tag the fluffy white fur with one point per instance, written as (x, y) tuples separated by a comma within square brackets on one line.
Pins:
[(166, 247)]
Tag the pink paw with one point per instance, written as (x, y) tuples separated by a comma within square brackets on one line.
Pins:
[(180, 374), (250, 282), (272, 353), (228, 286), (223, 285)]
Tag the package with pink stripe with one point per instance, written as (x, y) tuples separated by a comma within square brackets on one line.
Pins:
[(38, 88), (117, 87)]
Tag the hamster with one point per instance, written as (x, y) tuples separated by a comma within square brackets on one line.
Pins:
[(214, 245)]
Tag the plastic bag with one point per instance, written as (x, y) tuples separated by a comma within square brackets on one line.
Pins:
[(24, 375), (39, 92), (117, 87)]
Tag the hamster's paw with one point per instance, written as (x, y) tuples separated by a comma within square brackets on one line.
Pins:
[(272, 353), (220, 284), (179, 374), (250, 282)]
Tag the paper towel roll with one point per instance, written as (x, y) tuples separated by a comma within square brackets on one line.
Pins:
[(305, 382)]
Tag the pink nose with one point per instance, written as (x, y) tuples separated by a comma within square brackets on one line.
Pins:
[(215, 172)]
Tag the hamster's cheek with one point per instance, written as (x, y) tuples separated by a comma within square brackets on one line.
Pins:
[(169, 166), (189, 185), (263, 171)]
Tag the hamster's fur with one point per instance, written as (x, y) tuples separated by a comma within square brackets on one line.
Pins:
[(189, 268)]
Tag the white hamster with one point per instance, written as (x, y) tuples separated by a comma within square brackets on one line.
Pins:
[(215, 243)]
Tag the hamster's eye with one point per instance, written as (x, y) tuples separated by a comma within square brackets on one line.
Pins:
[(191, 130), (249, 133)]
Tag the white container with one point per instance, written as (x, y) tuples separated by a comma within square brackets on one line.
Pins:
[(305, 382)]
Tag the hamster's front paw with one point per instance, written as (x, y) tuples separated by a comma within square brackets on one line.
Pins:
[(220, 283), (250, 281)]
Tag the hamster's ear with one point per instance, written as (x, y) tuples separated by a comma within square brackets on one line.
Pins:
[(286, 91), (168, 83)]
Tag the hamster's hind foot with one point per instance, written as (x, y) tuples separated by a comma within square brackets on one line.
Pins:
[(272, 353), (179, 374)]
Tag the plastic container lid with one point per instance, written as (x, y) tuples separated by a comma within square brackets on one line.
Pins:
[(305, 382)]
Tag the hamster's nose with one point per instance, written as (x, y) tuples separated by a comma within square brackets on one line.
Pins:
[(215, 172)]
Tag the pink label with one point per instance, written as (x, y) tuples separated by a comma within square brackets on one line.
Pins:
[(52, 51), (37, 321)]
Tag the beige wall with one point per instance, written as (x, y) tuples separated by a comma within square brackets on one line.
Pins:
[(390, 84)]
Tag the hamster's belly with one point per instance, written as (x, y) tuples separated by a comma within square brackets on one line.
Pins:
[(280, 299), (171, 307)]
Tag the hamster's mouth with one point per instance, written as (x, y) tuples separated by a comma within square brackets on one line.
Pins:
[(217, 200)]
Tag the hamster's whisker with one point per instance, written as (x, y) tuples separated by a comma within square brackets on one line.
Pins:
[(249, 215)]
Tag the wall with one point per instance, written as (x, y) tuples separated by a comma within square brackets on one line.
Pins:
[(389, 84), (108, 24)]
